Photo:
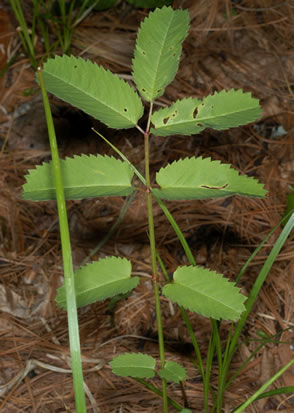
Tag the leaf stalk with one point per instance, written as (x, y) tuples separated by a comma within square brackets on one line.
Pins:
[(155, 278)]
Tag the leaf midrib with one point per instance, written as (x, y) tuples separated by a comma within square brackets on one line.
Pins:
[(81, 186), (159, 58), (198, 120), (190, 289), (108, 284)]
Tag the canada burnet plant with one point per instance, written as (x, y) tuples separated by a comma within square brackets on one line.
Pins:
[(106, 97)]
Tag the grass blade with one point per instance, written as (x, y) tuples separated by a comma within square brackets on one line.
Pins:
[(73, 325)]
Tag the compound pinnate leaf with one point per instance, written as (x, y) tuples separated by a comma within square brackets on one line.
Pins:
[(134, 365), (223, 110), (205, 292), (100, 280), (94, 90), (158, 50), (173, 371), (198, 178), (83, 177)]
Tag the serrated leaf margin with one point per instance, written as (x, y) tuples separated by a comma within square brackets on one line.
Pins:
[(211, 286), (181, 180), (80, 178), (158, 50), (93, 89), (87, 292)]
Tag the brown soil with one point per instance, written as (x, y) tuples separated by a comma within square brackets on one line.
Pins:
[(231, 44)]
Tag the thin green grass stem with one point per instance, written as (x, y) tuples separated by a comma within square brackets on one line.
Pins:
[(24, 34), (72, 316), (261, 278), (263, 388), (44, 27), (140, 176), (161, 343), (194, 342), (218, 345), (63, 26), (252, 297), (226, 360), (162, 267), (275, 392), (157, 391), (218, 349), (206, 383), (36, 12), (177, 230), (83, 12), (228, 342), (256, 251), (112, 229), (243, 365)]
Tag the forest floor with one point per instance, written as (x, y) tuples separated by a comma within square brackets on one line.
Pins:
[(231, 44)]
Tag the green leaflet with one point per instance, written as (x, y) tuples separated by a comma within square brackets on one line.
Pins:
[(133, 365), (173, 371), (198, 178), (177, 119), (228, 109), (100, 280), (158, 50), (94, 90), (219, 111), (205, 292), (83, 177)]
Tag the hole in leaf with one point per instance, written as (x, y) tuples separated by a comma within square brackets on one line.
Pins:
[(214, 187), (195, 112), (125, 109), (165, 120), (159, 90), (143, 53), (175, 114), (200, 125), (143, 89), (75, 66)]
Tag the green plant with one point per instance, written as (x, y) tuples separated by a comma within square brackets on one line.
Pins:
[(110, 99), (61, 18), (57, 16)]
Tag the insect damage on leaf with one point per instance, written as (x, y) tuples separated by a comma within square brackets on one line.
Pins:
[(213, 187)]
